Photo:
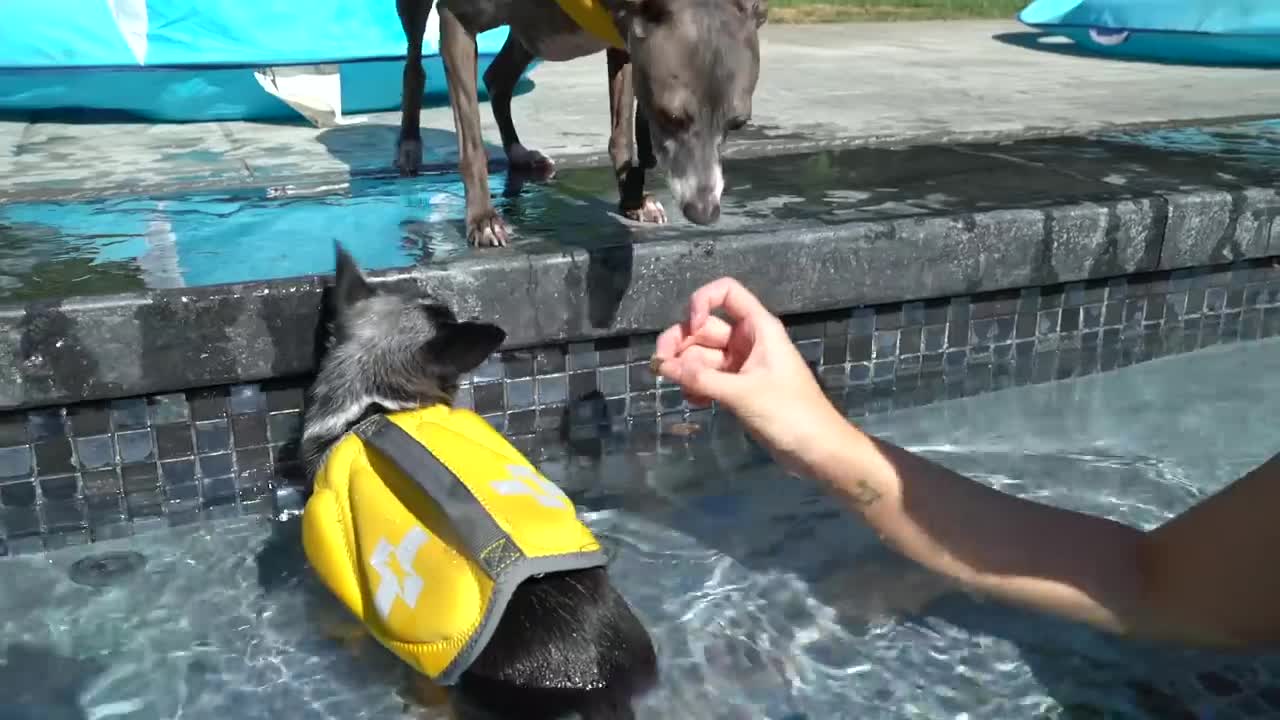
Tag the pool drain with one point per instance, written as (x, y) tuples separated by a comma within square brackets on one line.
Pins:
[(106, 569)]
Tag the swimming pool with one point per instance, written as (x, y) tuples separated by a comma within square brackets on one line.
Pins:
[(766, 599)]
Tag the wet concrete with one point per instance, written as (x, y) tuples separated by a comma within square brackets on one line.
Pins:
[(61, 249), (820, 86)]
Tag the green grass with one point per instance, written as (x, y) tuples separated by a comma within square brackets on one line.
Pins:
[(808, 11)]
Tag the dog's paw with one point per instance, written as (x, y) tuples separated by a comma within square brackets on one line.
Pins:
[(650, 211), (408, 156), (523, 159), (488, 230)]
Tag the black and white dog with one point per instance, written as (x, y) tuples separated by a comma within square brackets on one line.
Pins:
[(568, 642)]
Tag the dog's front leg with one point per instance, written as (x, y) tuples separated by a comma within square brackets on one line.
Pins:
[(485, 227), (500, 80), (413, 19), (628, 166)]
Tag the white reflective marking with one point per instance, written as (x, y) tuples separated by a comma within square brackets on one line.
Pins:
[(390, 586), (525, 481), (682, 186)]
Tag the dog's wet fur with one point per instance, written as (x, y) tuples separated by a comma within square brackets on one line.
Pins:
[(568, 642), (687, 74)]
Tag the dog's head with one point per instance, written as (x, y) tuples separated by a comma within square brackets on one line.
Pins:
[(386, 352), (695, 64)]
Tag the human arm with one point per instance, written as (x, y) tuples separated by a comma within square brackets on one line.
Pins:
[(1207, 577), (1204, 578)]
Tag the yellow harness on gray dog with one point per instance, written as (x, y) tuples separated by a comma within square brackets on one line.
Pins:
[(591, 15), (424, 522)]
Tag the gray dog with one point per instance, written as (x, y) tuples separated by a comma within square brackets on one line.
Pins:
[(688, 67), (567, 642)]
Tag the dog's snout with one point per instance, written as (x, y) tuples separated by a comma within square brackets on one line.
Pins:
[(703, 210), (697, 183)]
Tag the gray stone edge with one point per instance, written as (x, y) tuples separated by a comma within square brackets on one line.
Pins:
[(81, 349)]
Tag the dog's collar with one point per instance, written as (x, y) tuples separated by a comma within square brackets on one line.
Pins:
[(593, 17)]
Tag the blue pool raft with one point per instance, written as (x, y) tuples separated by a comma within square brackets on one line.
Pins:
[(179, 61), (1196, 32)]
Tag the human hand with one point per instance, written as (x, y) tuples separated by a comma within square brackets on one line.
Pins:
[(747, 363)]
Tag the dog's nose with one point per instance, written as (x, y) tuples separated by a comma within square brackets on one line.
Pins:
[(703, 211)]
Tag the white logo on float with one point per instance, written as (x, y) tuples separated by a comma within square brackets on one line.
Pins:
[(524, 481), (390, 585)]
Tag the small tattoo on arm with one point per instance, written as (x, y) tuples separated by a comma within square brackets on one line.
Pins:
[(862, 495)]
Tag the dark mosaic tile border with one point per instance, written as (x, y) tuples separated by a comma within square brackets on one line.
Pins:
[(80, 473)]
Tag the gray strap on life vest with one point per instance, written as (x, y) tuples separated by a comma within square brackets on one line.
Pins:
[(486, 542)]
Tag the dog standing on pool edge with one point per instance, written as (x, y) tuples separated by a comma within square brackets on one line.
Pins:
[(688, 67), (491, 587)]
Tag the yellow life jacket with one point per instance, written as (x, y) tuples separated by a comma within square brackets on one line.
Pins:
[(424, 522), (591, 15)]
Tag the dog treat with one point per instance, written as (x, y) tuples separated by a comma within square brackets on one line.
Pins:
[(655, 365)]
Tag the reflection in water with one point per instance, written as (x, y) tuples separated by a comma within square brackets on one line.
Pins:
[(38, 261), (1255, 142), (51, 249), (37, 683), (210, 239)]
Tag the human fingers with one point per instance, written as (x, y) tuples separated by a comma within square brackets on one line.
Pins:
[(724, 294), (674, 341), (678, 368), (704, 382), (670, 342), (700, 356), (714, 333)]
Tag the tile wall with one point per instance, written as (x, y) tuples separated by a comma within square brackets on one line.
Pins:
[(71, 475)]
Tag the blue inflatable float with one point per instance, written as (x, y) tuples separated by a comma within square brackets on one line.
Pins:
[(1197, 32), (179, 61)]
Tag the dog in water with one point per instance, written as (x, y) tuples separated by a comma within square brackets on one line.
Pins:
[(452, 550), (687, 67)]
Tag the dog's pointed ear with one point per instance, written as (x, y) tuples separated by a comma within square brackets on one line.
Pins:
[(756, 10), (349, 284), (461, 347)]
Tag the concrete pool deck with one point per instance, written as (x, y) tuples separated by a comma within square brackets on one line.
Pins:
[(820, 86)]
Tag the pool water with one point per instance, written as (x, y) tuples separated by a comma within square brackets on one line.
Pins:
[(91, 245), (766, 599)]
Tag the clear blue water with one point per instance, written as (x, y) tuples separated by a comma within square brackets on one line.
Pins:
[(766, 599)]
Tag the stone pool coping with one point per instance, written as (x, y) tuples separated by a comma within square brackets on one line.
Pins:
[(79, 349), (955, 220)]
